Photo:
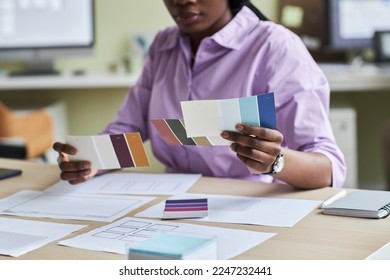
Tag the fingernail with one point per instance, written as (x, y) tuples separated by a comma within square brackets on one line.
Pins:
[(225, 135), (240, 127)]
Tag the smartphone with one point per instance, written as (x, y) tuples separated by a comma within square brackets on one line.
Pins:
[(8, 173)]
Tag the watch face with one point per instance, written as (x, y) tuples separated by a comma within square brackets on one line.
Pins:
[(279, 164)]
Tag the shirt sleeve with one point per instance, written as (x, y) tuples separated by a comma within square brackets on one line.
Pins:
[(302, 96)]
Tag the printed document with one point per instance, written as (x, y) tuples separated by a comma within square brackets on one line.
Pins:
[(279, 212), (18, 236), (103, 208), (131, 183), (116, 236), (382, 253)]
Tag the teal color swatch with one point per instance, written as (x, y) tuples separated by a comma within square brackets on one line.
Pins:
[(249, 110)]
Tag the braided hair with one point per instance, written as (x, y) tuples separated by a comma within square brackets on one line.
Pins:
[(236, 5)]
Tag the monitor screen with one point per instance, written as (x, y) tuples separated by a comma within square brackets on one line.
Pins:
[(39, 31), (351, 24)]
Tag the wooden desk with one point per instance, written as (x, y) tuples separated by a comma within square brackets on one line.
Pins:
[(316, 237)]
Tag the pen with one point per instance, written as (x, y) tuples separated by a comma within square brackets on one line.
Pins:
[(333, 198)]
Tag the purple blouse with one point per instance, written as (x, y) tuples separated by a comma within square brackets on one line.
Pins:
[(246, 57)]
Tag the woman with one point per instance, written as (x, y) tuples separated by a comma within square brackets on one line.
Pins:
[(227, 49)]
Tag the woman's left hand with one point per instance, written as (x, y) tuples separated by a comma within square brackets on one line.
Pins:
[(257, 147)]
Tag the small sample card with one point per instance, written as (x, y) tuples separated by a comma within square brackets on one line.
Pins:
[(185, 208), (204, 120), (113, 151), (211, 117)]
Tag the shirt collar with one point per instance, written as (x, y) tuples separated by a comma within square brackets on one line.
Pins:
[(232, 36)]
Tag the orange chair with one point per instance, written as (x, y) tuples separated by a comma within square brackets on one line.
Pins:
[(25, 136)]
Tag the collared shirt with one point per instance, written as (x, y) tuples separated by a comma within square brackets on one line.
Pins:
[(246, 57)]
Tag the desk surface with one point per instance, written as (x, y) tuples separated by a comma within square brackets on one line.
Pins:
[(315, 237)]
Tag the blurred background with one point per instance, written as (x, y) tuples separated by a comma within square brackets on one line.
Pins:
[(92, 79)]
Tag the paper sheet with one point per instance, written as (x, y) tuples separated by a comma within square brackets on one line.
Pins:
[(280, 212), (117, 236), (382, 253), (15, 240), (104, 208), (131, 183)]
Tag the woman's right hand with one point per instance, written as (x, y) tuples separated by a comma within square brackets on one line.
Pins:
[(74, 172)]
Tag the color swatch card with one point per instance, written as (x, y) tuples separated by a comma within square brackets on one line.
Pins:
[(173, 132), (185, 208), (113, 151), (204, 120), (211, 117)]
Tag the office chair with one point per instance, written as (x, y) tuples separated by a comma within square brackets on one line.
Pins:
[(25, 136)]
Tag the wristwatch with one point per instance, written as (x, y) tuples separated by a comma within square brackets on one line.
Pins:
[(278, 165)]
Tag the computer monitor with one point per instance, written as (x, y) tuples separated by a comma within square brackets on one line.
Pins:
[(351, 24), (39, 31)]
